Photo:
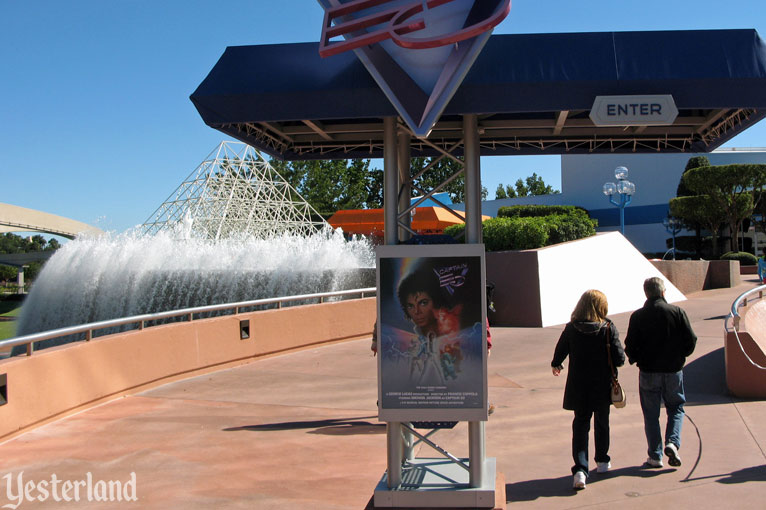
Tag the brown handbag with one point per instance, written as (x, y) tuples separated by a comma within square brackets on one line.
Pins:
[(619, 400)]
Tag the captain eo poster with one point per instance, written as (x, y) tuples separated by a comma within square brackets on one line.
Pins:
[(432, 333)]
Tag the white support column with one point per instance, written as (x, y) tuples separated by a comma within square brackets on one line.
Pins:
[(20, 280), (472, 179), (403, 164), (395, 450), (394, 442), (390, 181), (477, 457), (476, 438)]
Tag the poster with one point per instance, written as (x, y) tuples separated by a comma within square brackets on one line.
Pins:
[(432, 334)]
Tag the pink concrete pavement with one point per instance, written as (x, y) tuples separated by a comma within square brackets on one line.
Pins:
[(300, 431)]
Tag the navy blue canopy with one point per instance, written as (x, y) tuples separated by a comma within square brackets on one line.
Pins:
[(533, 94)]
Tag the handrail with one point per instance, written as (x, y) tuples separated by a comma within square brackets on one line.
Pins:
[(91, 327), (741, 301), (734, 314)]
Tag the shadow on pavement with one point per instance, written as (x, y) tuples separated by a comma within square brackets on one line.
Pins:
[(530, 490), (751, 474), (330, 427), (705, 380)]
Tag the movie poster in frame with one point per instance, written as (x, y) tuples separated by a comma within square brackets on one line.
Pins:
[(432, 334)]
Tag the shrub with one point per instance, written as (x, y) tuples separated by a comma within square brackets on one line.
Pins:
[(745, 258), (509, 233), (524, 233), (514, 233), (563, 228), (455, 231), (530, 211)]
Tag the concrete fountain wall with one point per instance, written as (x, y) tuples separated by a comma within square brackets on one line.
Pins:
[(62, 380)]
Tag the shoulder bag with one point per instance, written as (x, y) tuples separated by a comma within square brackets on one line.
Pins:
[(619, 399)]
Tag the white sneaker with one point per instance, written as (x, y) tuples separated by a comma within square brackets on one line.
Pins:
[(650, 462), (578, 483), (603, 467), (672, 452)]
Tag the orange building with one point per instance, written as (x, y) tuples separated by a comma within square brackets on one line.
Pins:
[(369, 222)]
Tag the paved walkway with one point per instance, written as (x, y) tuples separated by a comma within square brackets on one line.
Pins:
[(300, 431)]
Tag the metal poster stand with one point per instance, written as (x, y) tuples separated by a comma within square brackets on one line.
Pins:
[(447, 481)]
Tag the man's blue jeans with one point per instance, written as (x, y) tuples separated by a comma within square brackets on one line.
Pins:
[(654, 388)]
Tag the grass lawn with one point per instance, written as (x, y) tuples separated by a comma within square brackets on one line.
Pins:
[(8, 309)]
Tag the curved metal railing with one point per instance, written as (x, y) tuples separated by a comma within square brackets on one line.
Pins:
[(739, 302), (735, 317), (188, 313)]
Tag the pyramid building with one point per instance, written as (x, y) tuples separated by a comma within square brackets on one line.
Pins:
[(235, 192)]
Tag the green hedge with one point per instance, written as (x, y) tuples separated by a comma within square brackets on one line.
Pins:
[(524, 233), (531, 211), (745, 258)]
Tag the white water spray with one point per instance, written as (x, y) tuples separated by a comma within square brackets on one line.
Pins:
[(113, 276)]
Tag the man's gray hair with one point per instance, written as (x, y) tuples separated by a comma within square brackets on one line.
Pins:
[(654, 287)]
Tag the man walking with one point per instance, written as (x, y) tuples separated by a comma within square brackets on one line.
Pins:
[(659, 339)]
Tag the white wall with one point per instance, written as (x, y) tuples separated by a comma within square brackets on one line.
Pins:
[(606, 262)]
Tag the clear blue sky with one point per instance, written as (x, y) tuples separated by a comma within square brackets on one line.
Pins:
[(95, 118)]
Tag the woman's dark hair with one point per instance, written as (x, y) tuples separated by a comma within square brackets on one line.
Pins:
[(420, 280)]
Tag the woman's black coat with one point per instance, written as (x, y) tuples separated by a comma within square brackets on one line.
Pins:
[(588, 379)]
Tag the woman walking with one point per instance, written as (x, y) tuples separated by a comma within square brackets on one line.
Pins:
[(585, 340)]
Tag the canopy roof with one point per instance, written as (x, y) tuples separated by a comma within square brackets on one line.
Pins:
[(533, 94), (370, 221)]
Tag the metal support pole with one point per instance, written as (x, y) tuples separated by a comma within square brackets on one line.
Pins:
[(394, 442), (472, 179), (476, 450), (476, 453), (394, 457), (408, 443), (403, 164), (390, 181), (622, 216)]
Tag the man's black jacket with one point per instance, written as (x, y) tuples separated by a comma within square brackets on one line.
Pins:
[(659, 337)]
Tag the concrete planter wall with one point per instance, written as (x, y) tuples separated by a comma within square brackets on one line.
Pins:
[(538, 288), (696, 275)]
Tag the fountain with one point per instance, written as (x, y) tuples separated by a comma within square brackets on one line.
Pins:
[(233, 231), (98, 278)]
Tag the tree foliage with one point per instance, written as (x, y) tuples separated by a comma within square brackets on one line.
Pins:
[(334, 185), (701, 210), (683, 191), (694, 162), (442, 170), (731, 188), (531, 186), (12, 243)]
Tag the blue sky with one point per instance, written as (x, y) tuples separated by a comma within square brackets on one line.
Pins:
[(95, 118)]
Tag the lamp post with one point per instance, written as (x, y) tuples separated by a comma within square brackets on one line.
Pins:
[(624, 188), (673, 226)]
